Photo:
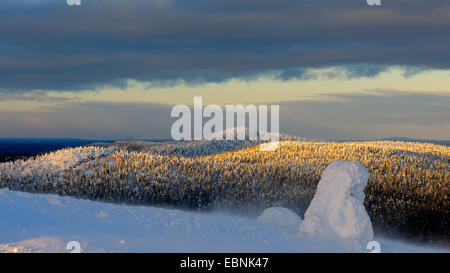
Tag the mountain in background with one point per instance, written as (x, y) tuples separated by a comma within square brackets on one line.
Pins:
[(407, 139)]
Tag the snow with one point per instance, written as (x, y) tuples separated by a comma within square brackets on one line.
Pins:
[(261, 135), (336, 220), (47, 223), (189, 149), (53, 164), (283, 217), (337, 210)]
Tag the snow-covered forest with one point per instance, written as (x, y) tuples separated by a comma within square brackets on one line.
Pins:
[(407, 192)]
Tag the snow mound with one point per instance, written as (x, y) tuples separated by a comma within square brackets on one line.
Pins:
[(337, 210), (282, 217)]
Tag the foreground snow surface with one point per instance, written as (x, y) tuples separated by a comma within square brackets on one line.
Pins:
[(46, 223)]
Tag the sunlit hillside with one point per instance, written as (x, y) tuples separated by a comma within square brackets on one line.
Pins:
[(407, 192)]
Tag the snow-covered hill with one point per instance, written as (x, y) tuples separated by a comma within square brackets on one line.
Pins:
[(55, 163), (405, 179)]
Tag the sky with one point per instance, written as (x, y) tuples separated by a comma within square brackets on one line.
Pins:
[(113, 69)]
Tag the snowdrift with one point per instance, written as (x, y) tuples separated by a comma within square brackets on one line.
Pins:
[(47, 223)]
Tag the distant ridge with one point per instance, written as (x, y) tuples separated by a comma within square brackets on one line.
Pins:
[(407, 139), (399, 139), (22, 148)]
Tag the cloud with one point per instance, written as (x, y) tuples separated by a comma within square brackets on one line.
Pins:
[(49, 45), (340, 72), (370, 115), (89, 121)]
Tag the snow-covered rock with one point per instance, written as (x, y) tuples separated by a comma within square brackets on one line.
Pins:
[(282, 217), (337, 211)]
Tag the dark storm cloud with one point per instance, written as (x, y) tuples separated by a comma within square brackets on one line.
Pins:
[(49, 45)]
